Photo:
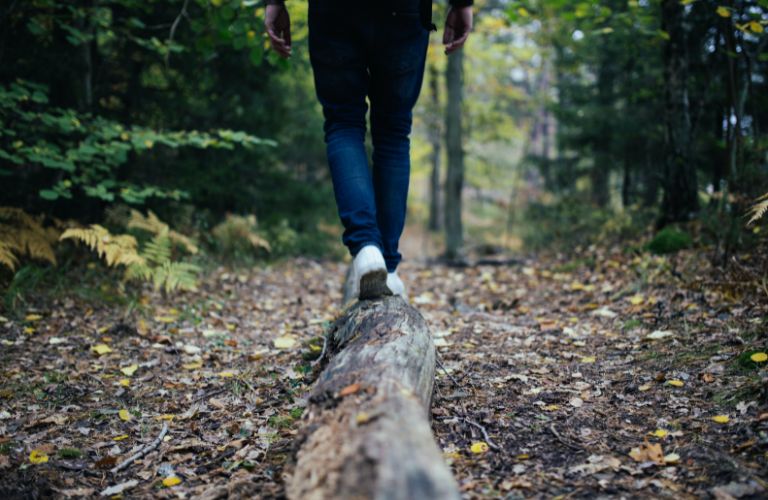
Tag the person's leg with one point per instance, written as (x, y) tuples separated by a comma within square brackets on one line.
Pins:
[(396, 73), (341, 81)]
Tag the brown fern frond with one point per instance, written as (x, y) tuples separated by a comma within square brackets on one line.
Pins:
[(120, 250), (152, 224), (758, 210), (7, 258)]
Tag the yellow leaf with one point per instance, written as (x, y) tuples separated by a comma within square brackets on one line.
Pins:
[(33, 317), (171, 481), (285, 342), (755, 27), (101, 349), (676, 383), (759, 357), (124, 415), (129, 370), (226, 374), (38, 457), (636, 300), (124, 382), (149, 144), (167, 417), (588, 359), (660, 433), (193, 365), (479, 447), (721, 419), (723, 11), (672, 458), (121, 437), (550, 408), (29, 330), (165, 319)]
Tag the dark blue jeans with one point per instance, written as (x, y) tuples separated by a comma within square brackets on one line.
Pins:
[(370, 49)]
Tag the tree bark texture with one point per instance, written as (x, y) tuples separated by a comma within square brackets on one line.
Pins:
[(368, 433), (680, 184), (454, 181)]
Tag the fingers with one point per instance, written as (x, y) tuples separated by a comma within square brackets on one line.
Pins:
[(456, 44), (280, 45)]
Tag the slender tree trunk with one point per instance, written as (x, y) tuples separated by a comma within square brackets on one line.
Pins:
[(680, 200), (601, 168), (435, 142), (454, 182)]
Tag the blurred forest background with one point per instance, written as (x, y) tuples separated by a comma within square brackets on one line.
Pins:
[(164, 134)]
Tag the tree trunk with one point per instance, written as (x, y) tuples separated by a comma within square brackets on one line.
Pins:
[(454, 182), (368, 432), (680, 200), (434, 139)]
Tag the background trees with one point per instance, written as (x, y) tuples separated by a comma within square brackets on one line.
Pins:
[(575, 115)]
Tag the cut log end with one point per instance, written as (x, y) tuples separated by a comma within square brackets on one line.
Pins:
[(368, 432)]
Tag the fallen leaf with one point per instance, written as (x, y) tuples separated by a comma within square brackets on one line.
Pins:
[(672, 458), (171, 481), (588, 359), (121, 437), (675, 383), (285, 342), (721, 419), (759, 357), (101, 349), (648, 452), (129, 370), (124, 382), (350, 389), (38, 457), (33, 317), (660, 334), (193, 365), (660, 433), (479, 447), (550, 408), (124, 415)]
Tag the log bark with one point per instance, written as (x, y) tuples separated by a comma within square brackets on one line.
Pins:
[(368, 433)]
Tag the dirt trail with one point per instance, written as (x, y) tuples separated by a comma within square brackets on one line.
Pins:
[(571, 379)]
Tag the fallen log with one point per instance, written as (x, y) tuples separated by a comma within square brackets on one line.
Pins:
[(368, 433)]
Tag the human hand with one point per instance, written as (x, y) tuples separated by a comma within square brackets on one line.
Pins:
[(278, 24), (458, 24)]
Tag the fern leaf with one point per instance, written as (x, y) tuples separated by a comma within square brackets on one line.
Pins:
[(158, 249), (7, 258), (757, 210)]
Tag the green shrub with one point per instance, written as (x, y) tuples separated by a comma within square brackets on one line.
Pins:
[(669, 240)]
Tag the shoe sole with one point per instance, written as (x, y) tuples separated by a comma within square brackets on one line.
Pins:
[(374, 285)]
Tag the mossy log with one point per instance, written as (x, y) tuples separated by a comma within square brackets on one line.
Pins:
[(368, 433)]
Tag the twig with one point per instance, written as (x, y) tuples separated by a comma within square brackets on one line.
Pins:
[(146, 449), (175, 25), (442, 367), (487, 438), (560, 438), (322, 353)]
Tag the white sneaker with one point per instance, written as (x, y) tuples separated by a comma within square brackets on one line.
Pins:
[(395, 285), (369, 274)]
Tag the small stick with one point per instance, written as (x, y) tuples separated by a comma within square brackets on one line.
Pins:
[(487, 438), (560, 438), (442, 367), (146, 449)]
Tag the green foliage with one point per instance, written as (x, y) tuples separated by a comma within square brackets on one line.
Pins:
[(670, 240), (81, 153)]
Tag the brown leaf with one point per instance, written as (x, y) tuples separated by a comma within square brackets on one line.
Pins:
[(106, 462), (350, 389), (648, 452)]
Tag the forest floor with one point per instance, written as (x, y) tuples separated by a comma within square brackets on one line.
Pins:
[(614, 375)]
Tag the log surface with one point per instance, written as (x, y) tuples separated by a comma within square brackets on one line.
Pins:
[(368, 433)]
